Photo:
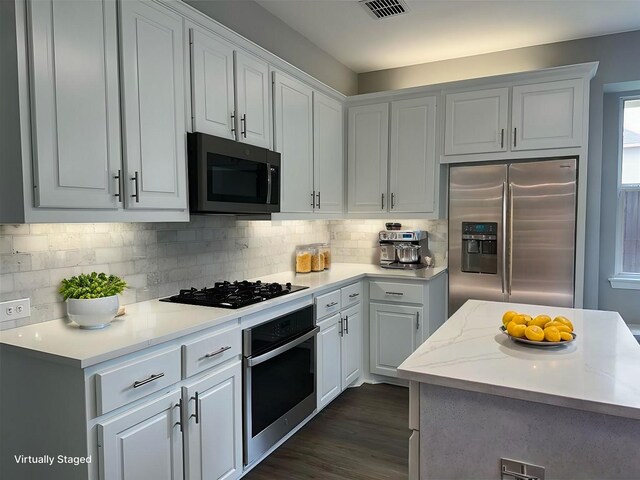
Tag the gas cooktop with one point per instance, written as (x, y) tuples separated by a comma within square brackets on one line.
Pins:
[(233, 294)]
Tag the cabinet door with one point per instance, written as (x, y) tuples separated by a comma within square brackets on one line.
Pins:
[(368, 156), (351, 345), (413, 155), (212, 85), (328, 155), (396, 331), (152, 59), (213, 428), (74, 99), (547, 115), (294, 140), (329, 372), (476, 122), (142, 443), (252, 97)]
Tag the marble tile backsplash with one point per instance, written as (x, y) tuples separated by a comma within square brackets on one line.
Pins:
[(157, 259)]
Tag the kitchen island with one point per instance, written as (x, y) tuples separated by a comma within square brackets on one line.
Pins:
[(574, 409)]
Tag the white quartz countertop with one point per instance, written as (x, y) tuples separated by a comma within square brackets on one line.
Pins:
[(153, 322), (599, 371)]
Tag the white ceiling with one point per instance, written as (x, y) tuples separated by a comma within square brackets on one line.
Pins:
[(442, 29)]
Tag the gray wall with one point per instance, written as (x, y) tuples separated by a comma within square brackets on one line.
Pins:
[(619, 57), (627, 302), (260, 26)]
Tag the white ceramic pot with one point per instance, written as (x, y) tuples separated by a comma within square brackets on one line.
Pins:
[(93, 312)]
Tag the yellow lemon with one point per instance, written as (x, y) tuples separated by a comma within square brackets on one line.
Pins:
[(516, 329), (534, 333), (521, 319), (507, 316), (564, 320), (560, 326), (540, 320), (565, 336), (552, 334)]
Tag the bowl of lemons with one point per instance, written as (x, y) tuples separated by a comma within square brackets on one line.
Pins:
[(541, 331)]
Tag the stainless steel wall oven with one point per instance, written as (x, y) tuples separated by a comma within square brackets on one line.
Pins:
[(279, 360)]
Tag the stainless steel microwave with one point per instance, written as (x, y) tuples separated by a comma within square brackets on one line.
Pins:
[(226, 176)]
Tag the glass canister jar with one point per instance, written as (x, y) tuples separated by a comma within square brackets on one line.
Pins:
[(326, 254), (317, 258), (303, 259)]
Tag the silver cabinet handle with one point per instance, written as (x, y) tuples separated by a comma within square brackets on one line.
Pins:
[(179, 405), (354, 295), (153, 377), (332, 304), (313, 199), (217, 352), (502, 138), (136, 181), (119, 178), (341, 331), (417, 320), (318, 199), (382, 203), (346, 324), (197, 414), (393, 201), (394, 293), (515, 130), (233, 125), (243, 123)]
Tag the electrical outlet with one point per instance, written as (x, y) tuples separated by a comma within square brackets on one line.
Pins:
[(14, 309)]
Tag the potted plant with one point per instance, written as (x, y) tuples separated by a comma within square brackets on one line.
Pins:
[(92, 300)]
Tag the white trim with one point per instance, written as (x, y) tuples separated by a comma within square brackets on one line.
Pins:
[(627, 283)]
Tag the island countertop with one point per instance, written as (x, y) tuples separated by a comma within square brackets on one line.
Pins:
[(599, 371)]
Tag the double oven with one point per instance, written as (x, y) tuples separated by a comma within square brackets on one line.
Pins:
[(279, 379)]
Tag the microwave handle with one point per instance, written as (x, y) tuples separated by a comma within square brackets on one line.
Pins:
[(269, 181)]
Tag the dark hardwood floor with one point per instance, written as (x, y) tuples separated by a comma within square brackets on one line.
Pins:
[(362, 435)]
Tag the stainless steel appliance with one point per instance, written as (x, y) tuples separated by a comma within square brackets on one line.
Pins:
[(404, 249), (279, 379), (232, 294), (232, 177), (512, 232)]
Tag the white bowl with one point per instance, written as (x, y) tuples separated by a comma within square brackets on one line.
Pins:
[(94, 312)]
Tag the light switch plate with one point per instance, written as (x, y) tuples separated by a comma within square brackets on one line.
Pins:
[(517, 470), (14, 309)]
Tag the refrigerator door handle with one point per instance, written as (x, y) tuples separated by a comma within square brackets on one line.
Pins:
[(510, 237), (504, 235)]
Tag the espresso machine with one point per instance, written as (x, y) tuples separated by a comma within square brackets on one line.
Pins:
[(404, 249)]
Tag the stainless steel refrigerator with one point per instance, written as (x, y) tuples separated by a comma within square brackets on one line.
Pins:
[(512, 229)]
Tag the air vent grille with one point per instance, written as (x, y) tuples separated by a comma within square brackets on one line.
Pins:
[(380, 9)]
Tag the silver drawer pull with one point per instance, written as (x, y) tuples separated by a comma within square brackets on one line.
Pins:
[(153, 377), (332, 304), (217, 352), (354, 295), (394, 293)]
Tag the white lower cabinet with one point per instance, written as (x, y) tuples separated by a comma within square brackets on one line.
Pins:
[(144, 442), (213, 425), (396, 331), (339, 345)]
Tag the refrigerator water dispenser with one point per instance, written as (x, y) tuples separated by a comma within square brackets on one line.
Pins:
[(479, 247)]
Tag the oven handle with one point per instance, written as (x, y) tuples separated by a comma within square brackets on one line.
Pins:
[(252, 362)]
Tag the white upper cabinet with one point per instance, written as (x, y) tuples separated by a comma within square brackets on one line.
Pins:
[(328, 148), (413, 156), (368, 155), (547, 115), (212, 90), (152, 63), (75, 106), (252, 100), (476, 122), (294, 140)]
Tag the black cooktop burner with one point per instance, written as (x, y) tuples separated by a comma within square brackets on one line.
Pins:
[(233, 294)]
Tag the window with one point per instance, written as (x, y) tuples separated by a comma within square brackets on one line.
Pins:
[(628, 248)]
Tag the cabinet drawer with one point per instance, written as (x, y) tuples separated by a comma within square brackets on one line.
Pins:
[(210, 350), (351, 294), (396, 292), (135, 379), (327, 304)]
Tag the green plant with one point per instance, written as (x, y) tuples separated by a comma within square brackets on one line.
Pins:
[(94, 285)]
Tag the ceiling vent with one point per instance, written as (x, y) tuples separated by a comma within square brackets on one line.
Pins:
[(380, 9)]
